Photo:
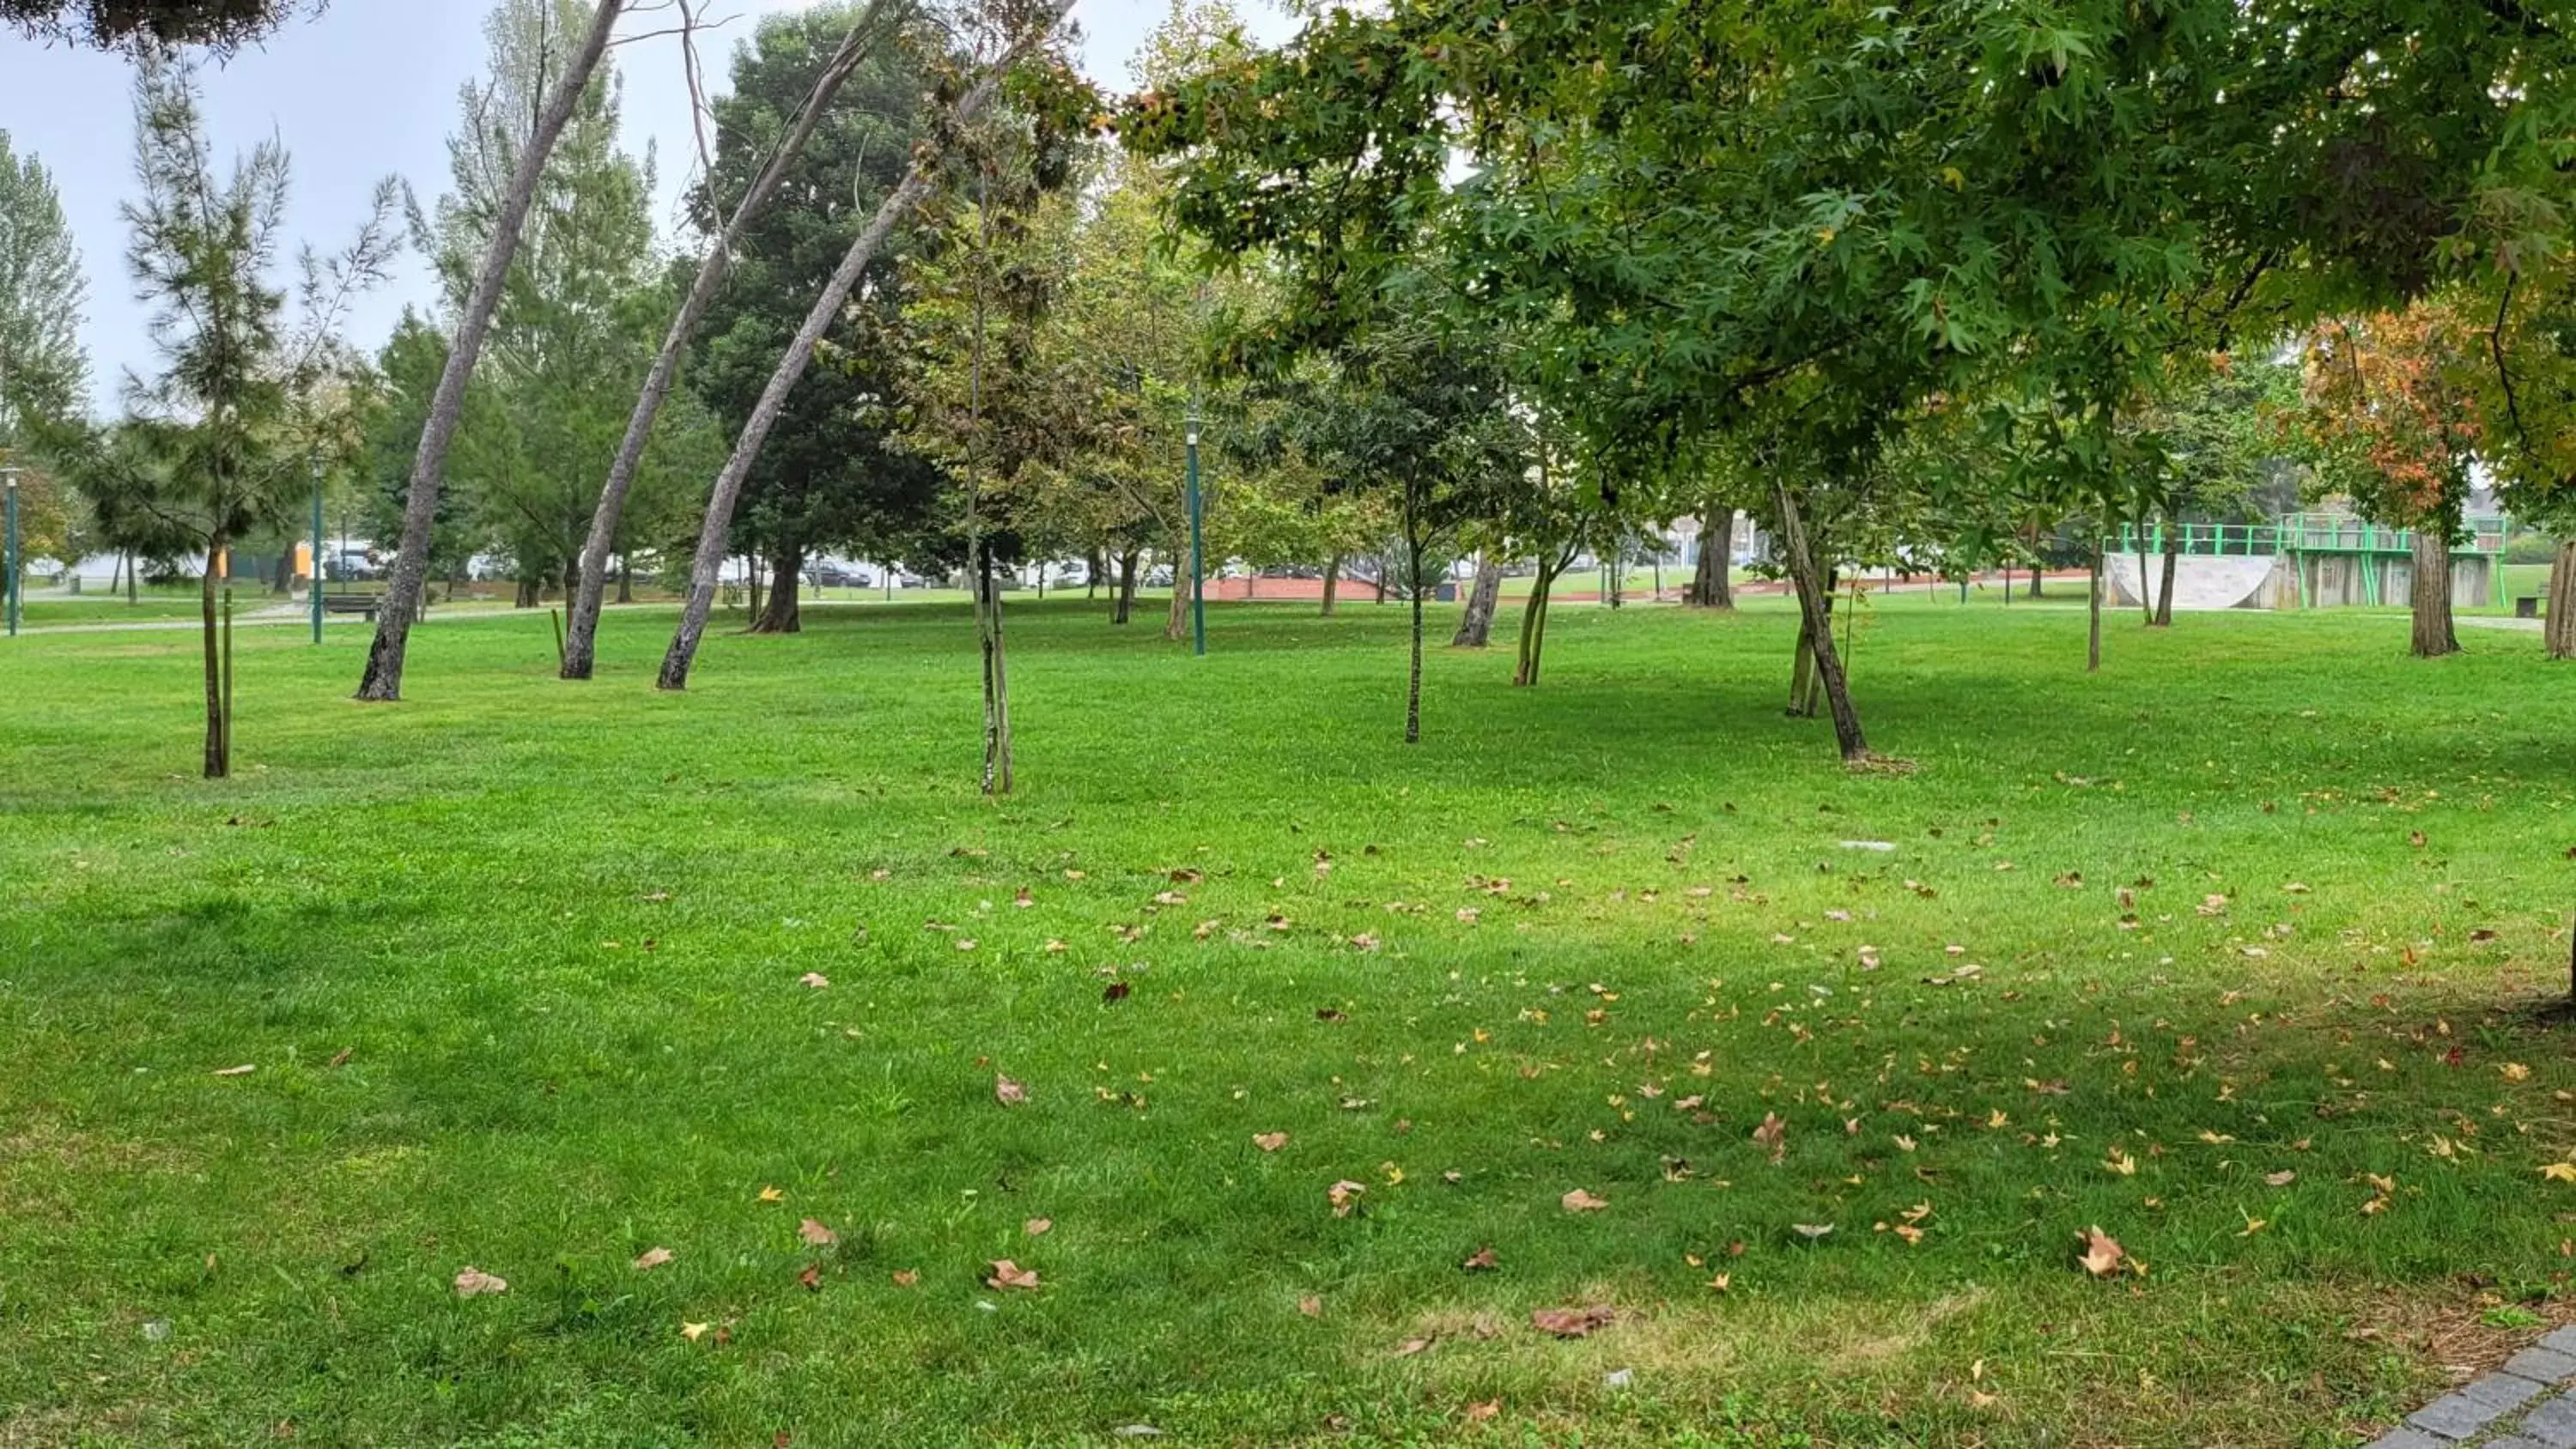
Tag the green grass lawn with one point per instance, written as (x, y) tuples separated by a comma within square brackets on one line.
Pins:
[(112, 608), (2263, 921)]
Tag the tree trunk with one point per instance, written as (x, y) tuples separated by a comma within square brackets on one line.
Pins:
[(1176, 624), (527, 595), (2093, 643), (2429, 593), (581, 646), (781, 616), (2146, 601), (1093, 568), (218, 748), (1534, 623), (1126, 602), (2165, 590), (1476, 628), (1413, 674), (625, 583), (1813, 604), (1710, 585), (1332, 582), (997, 692), (2037, 568), (826, 310), (2559, 632), (383, 677)]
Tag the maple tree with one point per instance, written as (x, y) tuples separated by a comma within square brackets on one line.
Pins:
[(2393, 424)]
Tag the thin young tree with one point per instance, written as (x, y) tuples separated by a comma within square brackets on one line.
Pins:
[(384, 673), (220, 442)]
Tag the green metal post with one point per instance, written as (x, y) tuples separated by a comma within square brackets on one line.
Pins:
[(10, 584), (313, 585), (1198, 558)]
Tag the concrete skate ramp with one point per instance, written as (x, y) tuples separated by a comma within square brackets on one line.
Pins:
[(2200, 582)]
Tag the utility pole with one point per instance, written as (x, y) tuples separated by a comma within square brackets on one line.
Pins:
[(1198, 554), (9, 477)]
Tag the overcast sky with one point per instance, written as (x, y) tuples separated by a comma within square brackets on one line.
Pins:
[(368, 90)]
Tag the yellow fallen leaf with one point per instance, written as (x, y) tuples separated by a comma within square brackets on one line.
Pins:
[(2560, 1172), (694, 1331)]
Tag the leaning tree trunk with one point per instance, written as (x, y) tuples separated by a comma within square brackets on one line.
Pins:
[(2429, 594), (1812, 607), (1093, 568), (1476, 628), (2164, 593), (1534, 622), (791, 368), (2559, 631), (581, 639), (383, 677), (781, 616), (1332, 582), (1803, 679)]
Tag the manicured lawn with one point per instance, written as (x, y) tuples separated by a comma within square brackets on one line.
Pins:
[(106, 608), (2263, 921)]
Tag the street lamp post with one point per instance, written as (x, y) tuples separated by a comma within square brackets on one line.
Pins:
[(9, 477), (1198, 555)]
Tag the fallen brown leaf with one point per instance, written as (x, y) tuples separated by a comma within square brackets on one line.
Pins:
[(1269, 1141), (1480, 1261), (2102, 1253), (816, 1235), (1579, 1201), (1008, 1092), (473, 1282), (651, 1258), (1573, 1322), (1007, 1274)]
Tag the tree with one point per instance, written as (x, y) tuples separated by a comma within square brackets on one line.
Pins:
[(569, 340), (220, 442), (44, 375), (2528, 397), (383, 678), (827, 478), (2394, 426), (867, 32), (1794, 225), (1423, 414), (144, 26), (1029, 29)]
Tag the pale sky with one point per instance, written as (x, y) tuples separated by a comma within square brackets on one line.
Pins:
[(369, 90)]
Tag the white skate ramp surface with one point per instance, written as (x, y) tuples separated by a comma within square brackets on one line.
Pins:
[(2201, 582)]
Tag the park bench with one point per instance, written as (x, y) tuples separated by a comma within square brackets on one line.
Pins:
[(366, 604), (2527, 607)]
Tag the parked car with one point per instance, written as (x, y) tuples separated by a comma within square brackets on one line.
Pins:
[(1158, 577), (835, 576)]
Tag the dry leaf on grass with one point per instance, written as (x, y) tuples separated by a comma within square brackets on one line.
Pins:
[(651, 1258), (1579, 1201), (816, 1235), (814, 979), (1573, 1322), (1037, 1227), (1008, 1092), (1269, 1141), (1773, 1134), (2102, 1253), (1344, 1196), (473, 1282), (1480, 1261), (1007, 1274)]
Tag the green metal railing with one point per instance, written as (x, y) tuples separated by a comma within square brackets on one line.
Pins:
[(2297, 533)]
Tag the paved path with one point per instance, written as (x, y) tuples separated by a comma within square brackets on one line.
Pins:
[(2523, 1405), (2488, 621)]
